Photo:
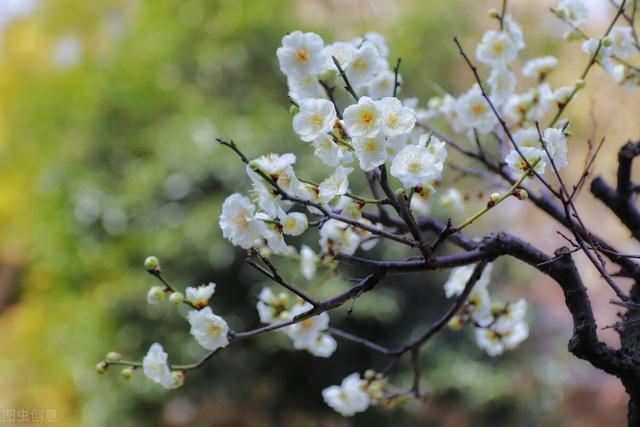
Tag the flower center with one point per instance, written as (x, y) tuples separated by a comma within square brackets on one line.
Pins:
[(414, 166), (366, 117), (302, 56), (392, 121), (316, 120), (478, 108), (370, 146), (497, 48), (214, 329), (306, 324), (360, 64), (241, 220)]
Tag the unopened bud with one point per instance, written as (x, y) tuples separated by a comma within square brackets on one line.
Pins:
[(493, 13), (328, 76), (127, 373), (455, 323), (152, 263), (494, 197), (178, 378), (155, 295), (176, 298), (559, 13), (101, 367), (294, 109), (369, 374), (573, 35), (521, 194), (606, 42), (113, 356), (580, 84)]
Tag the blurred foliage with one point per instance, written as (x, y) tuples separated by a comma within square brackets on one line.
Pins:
[(107, 124)]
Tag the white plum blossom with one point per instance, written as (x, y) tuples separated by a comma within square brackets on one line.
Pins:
[(331, 153), (238, 221), (514, 31), (364, 65), (502, 83), (349, 397), (305, 333), (416, 164), (496, 48), (301, 54), (532, 154), (335, 185), (556, 146), (342, 51), (200, 296), (452, 198), (601, 52), (561, 95), (275, 240), (279, 168), (268, 200), (475, 112), (622, 43), (538, 68), (377, 40), (420, 205), (308, 262), (294, 224), (363, 119), (305, 88), (316, 117), (371, 152), (156, 367), (382, 85), (336, 236), (396, 118), (324, 345), (459, 277), (509, 330), (208, 329), (527, 137), (574, 11), (267, 305)]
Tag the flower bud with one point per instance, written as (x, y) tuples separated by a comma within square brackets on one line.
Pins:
[(573, 35), (606, 42), (455, 323), (521, 194), (152, 263), (328, 76), (178, 378), (294, 109), (155, 295), (101, 367), (493, 13), (113, 356), (580, 84), (127, 373), (494, 197), (176, 298), (369, 374), (559, 13)]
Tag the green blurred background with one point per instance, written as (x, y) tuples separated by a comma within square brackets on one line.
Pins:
[(108, 114)]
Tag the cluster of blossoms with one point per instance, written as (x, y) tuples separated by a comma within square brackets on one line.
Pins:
[(365, 126), (473, 115), (309, 334), (498, 327), (617, 53), (210, 330), (355, 394)]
